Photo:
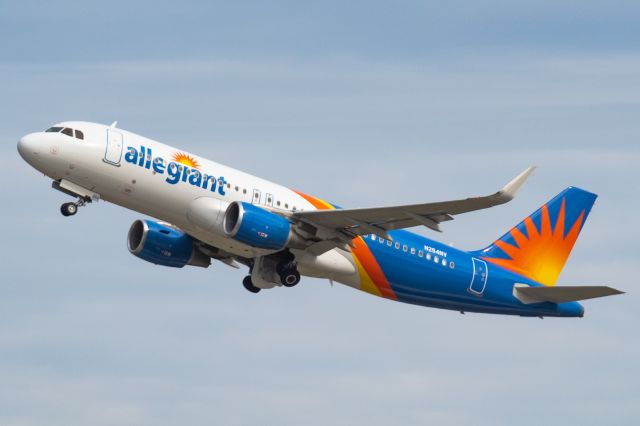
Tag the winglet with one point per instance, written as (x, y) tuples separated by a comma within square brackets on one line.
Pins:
[(509, 191)]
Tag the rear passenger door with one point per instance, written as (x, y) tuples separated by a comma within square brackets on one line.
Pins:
[(480, 275)]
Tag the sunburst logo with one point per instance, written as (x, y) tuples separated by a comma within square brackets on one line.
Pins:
[(541, 254), (187, 160)]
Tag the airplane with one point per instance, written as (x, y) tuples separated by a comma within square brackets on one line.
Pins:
[(206, 211)]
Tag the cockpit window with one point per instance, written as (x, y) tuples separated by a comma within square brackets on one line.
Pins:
[(67, 131)]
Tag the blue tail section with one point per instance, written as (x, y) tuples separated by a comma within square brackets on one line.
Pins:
[(539, 246)]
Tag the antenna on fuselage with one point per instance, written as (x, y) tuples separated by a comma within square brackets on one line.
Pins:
[(114, 124)]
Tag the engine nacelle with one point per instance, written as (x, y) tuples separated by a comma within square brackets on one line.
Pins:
[(256, 226), (207, 214), (163, 245)]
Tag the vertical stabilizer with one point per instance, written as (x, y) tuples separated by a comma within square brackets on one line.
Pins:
[(540, 245)]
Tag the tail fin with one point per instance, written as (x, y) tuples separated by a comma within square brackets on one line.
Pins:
[(540, 245)]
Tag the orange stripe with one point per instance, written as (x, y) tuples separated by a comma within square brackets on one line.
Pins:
[(370, 267), (317, 203)]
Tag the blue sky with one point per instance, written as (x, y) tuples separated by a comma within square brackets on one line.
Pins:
[(363, 103)]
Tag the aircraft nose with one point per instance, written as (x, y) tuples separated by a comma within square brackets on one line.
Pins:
[(28, 147)]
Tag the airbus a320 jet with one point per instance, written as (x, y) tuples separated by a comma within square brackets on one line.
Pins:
[(203, 210)]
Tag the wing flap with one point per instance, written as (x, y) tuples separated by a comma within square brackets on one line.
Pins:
[(561, 294)]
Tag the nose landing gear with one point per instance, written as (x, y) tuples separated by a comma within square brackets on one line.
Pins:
[(69, 209), (83, 195)]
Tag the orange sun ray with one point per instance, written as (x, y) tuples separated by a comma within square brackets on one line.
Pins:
[(541, 254), (186, 159)]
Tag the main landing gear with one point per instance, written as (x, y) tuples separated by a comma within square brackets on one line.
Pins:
[(248, 284), (69, 209), (289, 275), (266, 273)]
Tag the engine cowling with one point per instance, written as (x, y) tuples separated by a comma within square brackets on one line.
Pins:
[(256, 226), (207, 214), (163, 245)]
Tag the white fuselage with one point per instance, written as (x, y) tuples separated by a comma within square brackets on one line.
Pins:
[(161, 181)]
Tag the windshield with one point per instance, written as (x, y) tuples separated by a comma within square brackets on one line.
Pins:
[(66, 131)]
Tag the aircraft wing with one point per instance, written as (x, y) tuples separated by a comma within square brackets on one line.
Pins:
[(349, 223)]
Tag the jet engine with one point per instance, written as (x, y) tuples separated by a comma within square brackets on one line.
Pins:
[(164, 245), (258, 227)]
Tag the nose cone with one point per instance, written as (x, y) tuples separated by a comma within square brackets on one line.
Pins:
[(29, 148)]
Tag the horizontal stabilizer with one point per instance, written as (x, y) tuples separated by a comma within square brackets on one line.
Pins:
[(528, 294)]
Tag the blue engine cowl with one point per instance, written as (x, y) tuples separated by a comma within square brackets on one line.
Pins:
[(163, 245), (256, 227)]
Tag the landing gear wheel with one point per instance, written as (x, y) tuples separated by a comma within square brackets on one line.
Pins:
[(290, 277), (248, 284), (68, 209)]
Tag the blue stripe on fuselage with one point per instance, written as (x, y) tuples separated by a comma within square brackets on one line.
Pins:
[(424, 282)]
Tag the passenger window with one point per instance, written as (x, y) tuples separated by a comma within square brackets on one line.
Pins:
[(420, 254), (405, 248), (381, 240), (389, 243), (67, 131), (397, 246), (413, 251), (428, 257), (53, 129), (79, 135), (444, 262), (436, 259)]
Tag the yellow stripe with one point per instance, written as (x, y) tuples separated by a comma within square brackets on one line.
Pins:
[(366, 283)]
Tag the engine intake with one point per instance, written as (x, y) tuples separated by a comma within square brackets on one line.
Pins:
[(256, 226), (164, 245)]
